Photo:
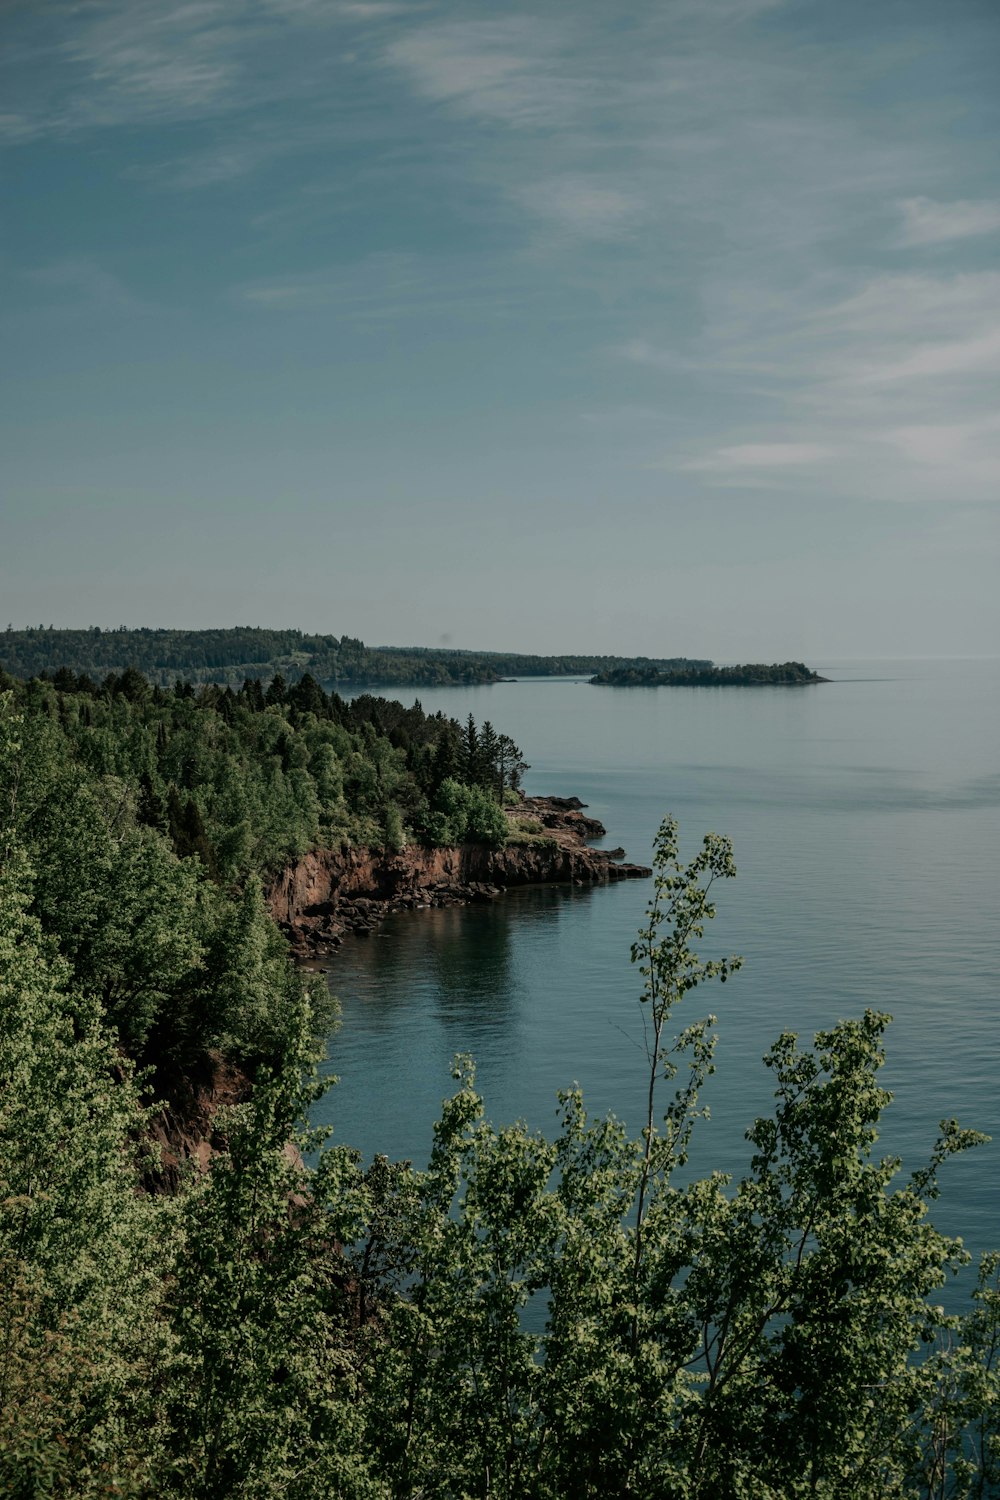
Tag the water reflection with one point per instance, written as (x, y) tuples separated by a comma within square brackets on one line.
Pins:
[(434, 983), (464, 957)]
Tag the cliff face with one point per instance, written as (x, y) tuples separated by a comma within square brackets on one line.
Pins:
[(332, 891)]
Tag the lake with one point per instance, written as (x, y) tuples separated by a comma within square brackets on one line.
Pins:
[(865, 815)]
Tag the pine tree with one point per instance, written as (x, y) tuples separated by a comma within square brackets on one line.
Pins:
[(277, 691), (488, 773), (468, 756)]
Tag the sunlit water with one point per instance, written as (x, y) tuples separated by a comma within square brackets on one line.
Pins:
[(865, 816)]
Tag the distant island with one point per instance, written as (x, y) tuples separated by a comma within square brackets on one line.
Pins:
[(750, 674), (230, 656)]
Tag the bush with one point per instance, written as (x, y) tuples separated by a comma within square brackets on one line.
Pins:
[(466, 814)]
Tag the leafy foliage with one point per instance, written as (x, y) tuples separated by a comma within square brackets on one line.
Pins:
[(177, 963), (81, 1255), (467, 814)]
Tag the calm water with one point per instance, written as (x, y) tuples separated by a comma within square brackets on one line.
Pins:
[(866, 822)]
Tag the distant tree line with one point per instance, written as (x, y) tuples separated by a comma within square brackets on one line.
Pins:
[(752, 674), (229, 656)]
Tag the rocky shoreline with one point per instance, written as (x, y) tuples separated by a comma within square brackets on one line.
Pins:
[(330, 893)]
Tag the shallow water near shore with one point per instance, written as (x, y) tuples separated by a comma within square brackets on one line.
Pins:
[(865, 815)]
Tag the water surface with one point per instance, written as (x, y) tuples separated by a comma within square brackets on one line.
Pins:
[(865, 815)]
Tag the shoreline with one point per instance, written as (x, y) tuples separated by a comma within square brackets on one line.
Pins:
[(328, 894)]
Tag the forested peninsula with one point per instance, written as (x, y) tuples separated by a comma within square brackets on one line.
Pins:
[(230, 656), (165, 828), (202, 1297)]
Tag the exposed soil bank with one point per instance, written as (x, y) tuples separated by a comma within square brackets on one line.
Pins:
[(185, 1128), (330, 892)]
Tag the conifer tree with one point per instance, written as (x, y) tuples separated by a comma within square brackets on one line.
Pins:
[(277, 691), (468, 759), (488, 760)]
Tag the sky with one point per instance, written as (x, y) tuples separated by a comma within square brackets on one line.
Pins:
[(665, 328)]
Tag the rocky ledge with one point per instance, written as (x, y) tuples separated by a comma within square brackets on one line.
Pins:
[(332, 892)]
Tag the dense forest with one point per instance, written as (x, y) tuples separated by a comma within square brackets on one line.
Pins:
[(750, 674), (293, 1323), (151, 818), (229, 656)]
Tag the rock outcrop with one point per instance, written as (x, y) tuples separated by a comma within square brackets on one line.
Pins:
[(330, 892)]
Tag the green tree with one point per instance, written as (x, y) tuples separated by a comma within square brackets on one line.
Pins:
[(394, 836), (468, 760), (278, 1330), (276, 691), (466, 814), (264, 1397), (512, 764), (488, 760), (82, 1255)]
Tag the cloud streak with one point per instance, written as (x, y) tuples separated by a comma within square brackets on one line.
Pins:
[(750, 457), (513, 71), (117, 64), (887, 380), (578, 206), (926, 222)]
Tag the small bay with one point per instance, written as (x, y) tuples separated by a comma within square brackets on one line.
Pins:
[(865, 815)]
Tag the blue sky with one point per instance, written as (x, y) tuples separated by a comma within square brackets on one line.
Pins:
[(666, 327)]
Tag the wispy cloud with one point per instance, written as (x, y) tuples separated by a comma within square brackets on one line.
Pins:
[(376, 288), (964, 356), (586, 207), (966, 453), (121, 63), (753, 457), (327, 11), (926, 222), (705, 185), (887, 384), (512, 70), (743, 182), (383, 288), (79, 282), (686, 123), (111, 65), (17, 127), (240, 151), (670, 361), (898, 330), (161, 63), (225, 162)]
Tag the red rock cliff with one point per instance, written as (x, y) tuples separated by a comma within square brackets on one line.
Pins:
[(330, 891)]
